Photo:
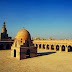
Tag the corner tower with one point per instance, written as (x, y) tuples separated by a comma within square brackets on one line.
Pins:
[(4, 34)]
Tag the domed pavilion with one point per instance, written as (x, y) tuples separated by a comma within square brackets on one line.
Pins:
[(23, 47)]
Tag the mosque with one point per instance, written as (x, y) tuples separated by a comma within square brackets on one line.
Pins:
[(23, 47)]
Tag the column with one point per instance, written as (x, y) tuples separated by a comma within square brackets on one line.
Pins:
[(66, 48), (35, 45), (45, 47), (41, 46), (38, 46), (60, 48), (54, 47), (49, 47), (4, 46)]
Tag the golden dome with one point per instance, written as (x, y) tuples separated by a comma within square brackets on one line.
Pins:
[(23, 35)]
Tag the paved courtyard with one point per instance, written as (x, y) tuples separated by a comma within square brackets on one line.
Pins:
[(47, 61)]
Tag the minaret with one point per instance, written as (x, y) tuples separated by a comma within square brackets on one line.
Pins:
[(4, 29)]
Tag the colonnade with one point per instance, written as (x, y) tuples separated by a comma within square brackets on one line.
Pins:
[(55, 47), (5, 46)]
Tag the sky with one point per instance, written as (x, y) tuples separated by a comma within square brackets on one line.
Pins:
[(42, 18)]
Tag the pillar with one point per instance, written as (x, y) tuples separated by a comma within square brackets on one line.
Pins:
[(45, 47), (35, 45), (54, 47), (38, 46), (41, 46), (60, 48), (66, 48), (4, 46), (49, 47)]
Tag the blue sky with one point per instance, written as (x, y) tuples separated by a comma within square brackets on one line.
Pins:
[(42, 18)]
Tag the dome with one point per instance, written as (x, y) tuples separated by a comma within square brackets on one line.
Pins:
[(50, 38), (23, 35)]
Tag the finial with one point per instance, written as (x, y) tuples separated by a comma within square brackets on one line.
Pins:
[(4, 23), (23, 27)]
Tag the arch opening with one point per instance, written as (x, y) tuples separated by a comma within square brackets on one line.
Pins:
[(63, 48), (40, 46), (69, 48), (36, 45), (1, 47), (57, 47), (47, 46), (52, 47), (43, 46)]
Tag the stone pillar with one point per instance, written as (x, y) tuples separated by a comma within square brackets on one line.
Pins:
[(60, 48), (54, 47), (41, 46), (49, 47), (35, 45), (66, 48), (4, 46), (45, 47), (38, 46)]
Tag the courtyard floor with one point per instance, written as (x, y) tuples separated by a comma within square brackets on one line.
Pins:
[(47, 61)]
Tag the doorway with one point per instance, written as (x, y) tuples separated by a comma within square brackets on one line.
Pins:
[(14, 53), (28, 53)]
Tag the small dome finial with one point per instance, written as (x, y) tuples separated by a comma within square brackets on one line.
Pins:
[(23, 27)]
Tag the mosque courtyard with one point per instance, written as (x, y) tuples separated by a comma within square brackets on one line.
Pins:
[(47, 61)]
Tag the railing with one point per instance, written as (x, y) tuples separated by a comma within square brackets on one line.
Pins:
[(52, 41)]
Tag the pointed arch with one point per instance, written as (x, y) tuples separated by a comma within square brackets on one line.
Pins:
[(57, 47), (63, 48), (52, 47)]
